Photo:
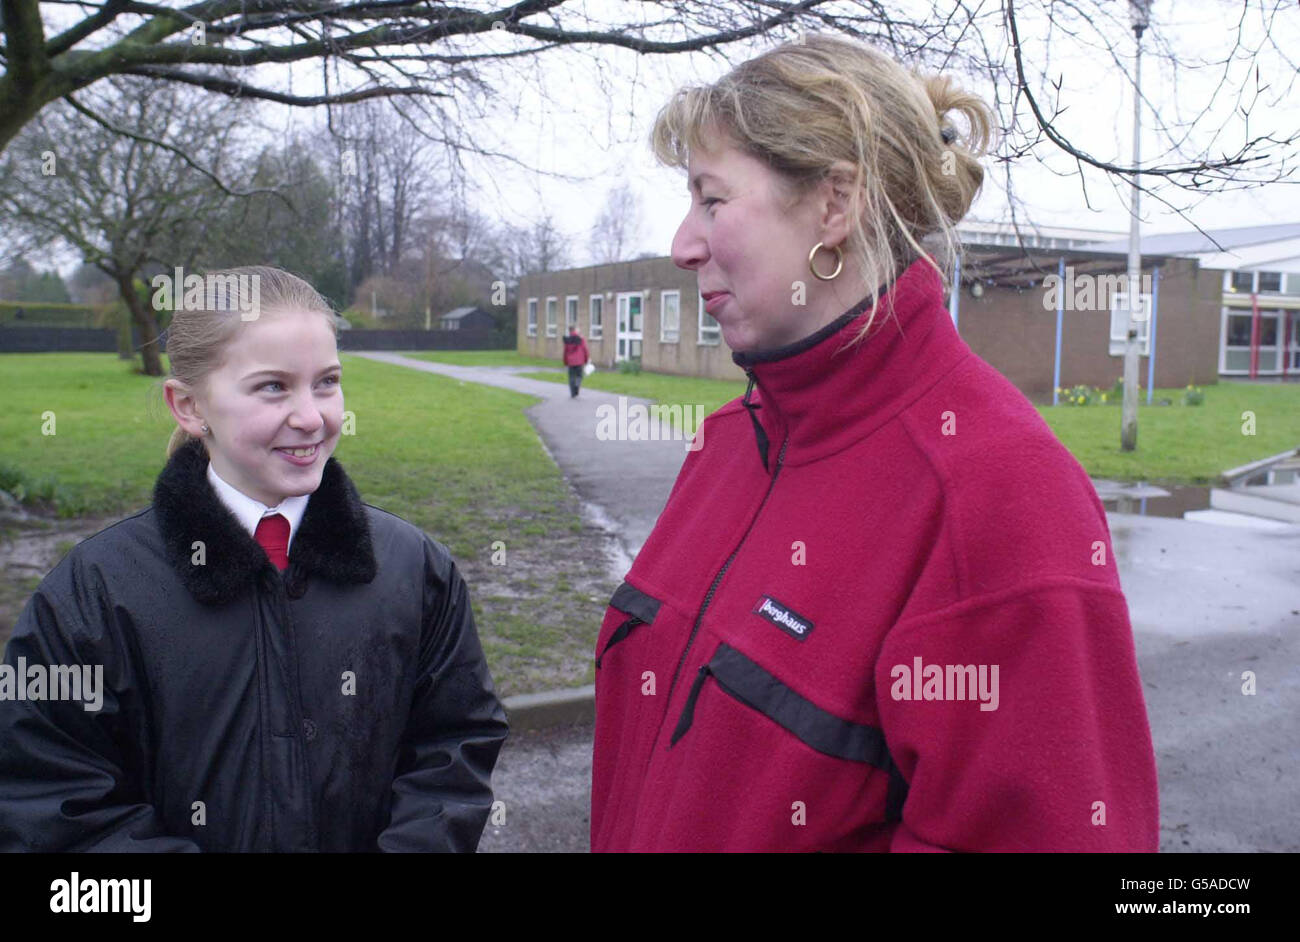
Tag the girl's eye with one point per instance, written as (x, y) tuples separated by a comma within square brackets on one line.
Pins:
[(264, 385), (336, 378)]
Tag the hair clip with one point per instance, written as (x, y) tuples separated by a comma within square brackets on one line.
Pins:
[(948, 135)]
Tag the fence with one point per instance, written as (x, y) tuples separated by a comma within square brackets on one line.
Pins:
[(89, 339)]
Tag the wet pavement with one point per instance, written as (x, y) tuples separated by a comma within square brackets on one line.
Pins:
[(1208, 604), (543, 781)]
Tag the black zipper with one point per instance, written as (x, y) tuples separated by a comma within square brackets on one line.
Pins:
[(621, 632), (708, 598), (688, 711)]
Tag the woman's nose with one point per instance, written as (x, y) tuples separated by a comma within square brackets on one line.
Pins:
[(689, 249)]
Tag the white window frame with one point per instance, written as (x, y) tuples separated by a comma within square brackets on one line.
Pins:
[(570, 303), (1279, 349), (532, 317), (1281, 282), (596, 327), (552, 311), (1229, 289), (714, 337), (1119, 325), (666, 335)]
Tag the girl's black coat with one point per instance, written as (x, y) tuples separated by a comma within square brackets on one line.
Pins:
[(342, 706)]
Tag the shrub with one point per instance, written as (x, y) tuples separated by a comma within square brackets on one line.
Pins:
[(1079, 395)]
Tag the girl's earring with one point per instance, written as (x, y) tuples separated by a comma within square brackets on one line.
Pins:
[(205, 430)]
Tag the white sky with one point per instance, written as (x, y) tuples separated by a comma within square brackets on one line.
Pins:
[(585, 113)]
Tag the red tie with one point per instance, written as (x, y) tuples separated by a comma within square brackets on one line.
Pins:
[(273, 535)]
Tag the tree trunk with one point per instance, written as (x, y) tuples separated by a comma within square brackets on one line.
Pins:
[(145, 323)]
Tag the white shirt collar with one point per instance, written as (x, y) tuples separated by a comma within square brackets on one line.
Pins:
[(249, 512)]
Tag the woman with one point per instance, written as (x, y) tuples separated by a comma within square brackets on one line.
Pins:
[(277, 665), (880, 610)]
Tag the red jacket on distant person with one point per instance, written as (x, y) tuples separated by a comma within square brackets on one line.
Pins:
[(575, 350), (869, 515)]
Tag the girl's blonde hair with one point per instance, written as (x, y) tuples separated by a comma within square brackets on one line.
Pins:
[(197, 339), (807, 104)]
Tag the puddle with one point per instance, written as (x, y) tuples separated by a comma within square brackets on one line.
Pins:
[(1175, 500), (1149, 500), (619, 561)]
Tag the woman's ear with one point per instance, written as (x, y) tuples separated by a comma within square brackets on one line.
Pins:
[(838, 205), (184, 407)]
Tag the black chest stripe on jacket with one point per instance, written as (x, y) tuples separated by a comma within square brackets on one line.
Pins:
[(640, 608), (745, 680)]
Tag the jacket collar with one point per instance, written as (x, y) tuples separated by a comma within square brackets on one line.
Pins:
[(824, 393), (333, 539)]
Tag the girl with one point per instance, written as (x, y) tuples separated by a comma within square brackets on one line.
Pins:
[(284, 667), (853, 627)]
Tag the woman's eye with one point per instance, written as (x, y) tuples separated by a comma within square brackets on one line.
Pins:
[(709, 201), (336, 378), (264, 385)]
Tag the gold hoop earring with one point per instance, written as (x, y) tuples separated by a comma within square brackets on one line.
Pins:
[(839, 262)]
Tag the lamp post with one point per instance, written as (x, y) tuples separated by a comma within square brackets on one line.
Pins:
[(1139, 14)]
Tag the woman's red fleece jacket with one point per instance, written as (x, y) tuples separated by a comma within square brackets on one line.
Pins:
[(880, 611)]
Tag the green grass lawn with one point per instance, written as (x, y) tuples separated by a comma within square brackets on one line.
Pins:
[(426, 447), (1177, 444), (459, 460), (481, 358), (1180, 444)]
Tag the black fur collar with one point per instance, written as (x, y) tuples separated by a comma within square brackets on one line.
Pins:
[(333, 538)]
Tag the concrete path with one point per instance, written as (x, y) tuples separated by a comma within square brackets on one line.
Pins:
[(1207, 604), (625, 483)]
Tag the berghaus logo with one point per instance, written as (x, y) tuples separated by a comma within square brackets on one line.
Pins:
[(791, 622)]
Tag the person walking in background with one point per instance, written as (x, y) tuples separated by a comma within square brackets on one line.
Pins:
[(575, 358)]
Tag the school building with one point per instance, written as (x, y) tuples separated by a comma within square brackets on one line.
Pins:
[(1046, 307)]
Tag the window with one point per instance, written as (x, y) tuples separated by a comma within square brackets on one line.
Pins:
[(550, 316), (1243, 281), (1119, 325), (1270, 281), (1238, 330), (597, 317), (670, 316), (570, 312), (710, 333), (532, 317)]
